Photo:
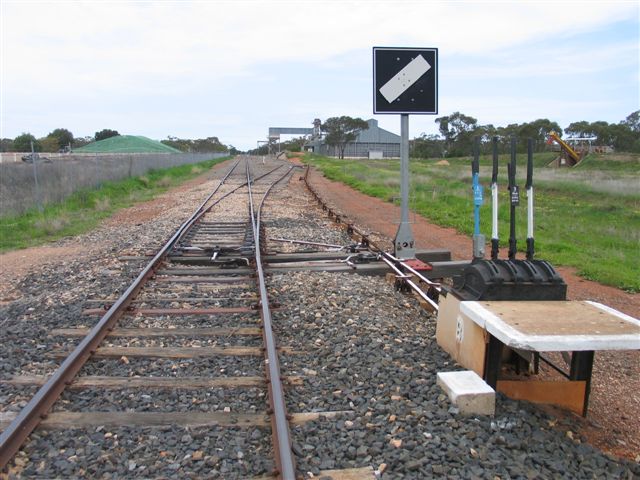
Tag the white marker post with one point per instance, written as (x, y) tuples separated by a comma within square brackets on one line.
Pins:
[(401, 85)]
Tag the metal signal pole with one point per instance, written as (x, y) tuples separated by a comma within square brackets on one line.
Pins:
[(404, 243)]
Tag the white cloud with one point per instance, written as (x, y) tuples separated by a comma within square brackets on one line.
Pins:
[(552, 61), (88, 55), (175, 39)]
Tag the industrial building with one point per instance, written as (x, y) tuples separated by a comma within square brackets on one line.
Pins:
[(375, 142)]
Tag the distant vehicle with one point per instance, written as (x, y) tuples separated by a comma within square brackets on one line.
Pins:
[(30, 157)]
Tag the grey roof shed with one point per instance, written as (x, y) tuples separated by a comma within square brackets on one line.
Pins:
[(375, 134)]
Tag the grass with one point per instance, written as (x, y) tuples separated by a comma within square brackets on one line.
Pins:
[(625, 162), (580, 220), (83, 210)]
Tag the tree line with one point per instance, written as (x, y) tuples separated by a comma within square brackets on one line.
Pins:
[(62, 140), (59, 140), (458, 130), (200, 145)]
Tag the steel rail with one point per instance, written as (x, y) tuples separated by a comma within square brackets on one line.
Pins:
[(351, 229), (285, 463), (435, 285), (36, 409), (386, 257), (412, 284), (236, 189), (304, 242)]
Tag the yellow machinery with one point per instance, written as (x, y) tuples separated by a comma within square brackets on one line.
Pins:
[(572, 157)]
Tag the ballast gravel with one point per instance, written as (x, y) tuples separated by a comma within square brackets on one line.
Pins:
[(191, 321), (159, 452), (371, 352), (363, 349), (244, 400), (223, 366)]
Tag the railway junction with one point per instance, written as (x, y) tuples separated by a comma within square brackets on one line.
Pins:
[(244, 328)]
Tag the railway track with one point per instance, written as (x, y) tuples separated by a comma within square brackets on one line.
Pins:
[(230, 237), (184, 385)]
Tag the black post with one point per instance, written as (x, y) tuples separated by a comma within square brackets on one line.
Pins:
[(514, 195), (492, 361), (581, 369)]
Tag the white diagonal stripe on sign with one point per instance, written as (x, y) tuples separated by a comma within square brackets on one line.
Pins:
[(405, 78)]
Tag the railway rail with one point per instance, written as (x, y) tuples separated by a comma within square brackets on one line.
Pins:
[(234, 246), (348, 388), (407, 277)]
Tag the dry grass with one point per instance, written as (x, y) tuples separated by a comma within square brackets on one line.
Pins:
[(164, 182), (52, 225), (103, 204), (391, 183)]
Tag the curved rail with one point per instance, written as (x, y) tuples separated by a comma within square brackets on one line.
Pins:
[(30, 416), (279, 424), (394, 263)]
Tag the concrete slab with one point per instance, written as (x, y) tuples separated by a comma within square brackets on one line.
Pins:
[(468, 392)]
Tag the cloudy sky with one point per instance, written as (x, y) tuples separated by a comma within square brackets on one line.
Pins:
[(232, 69)]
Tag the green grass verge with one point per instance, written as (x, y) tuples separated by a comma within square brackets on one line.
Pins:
[(576, 223), (622, 162), (83, 210)]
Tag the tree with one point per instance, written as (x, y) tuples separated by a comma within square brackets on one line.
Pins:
[(633, 121), (486, 134), (63, 136), (175, 142), (208, 145), (427, 146), (293, 145), (200, 145), (49, 144), (601, 130), (6, 145), (106, 133), (82, 141), (538, 130), (22, 143), (457, 130), (579, 129), (623, 138), (342, 130)]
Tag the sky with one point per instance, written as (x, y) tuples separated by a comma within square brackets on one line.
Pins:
[(232, 69)]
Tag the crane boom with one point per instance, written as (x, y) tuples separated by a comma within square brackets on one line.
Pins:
[(565, 146)]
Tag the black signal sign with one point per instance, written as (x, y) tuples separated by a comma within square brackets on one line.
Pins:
[(405, 80)]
